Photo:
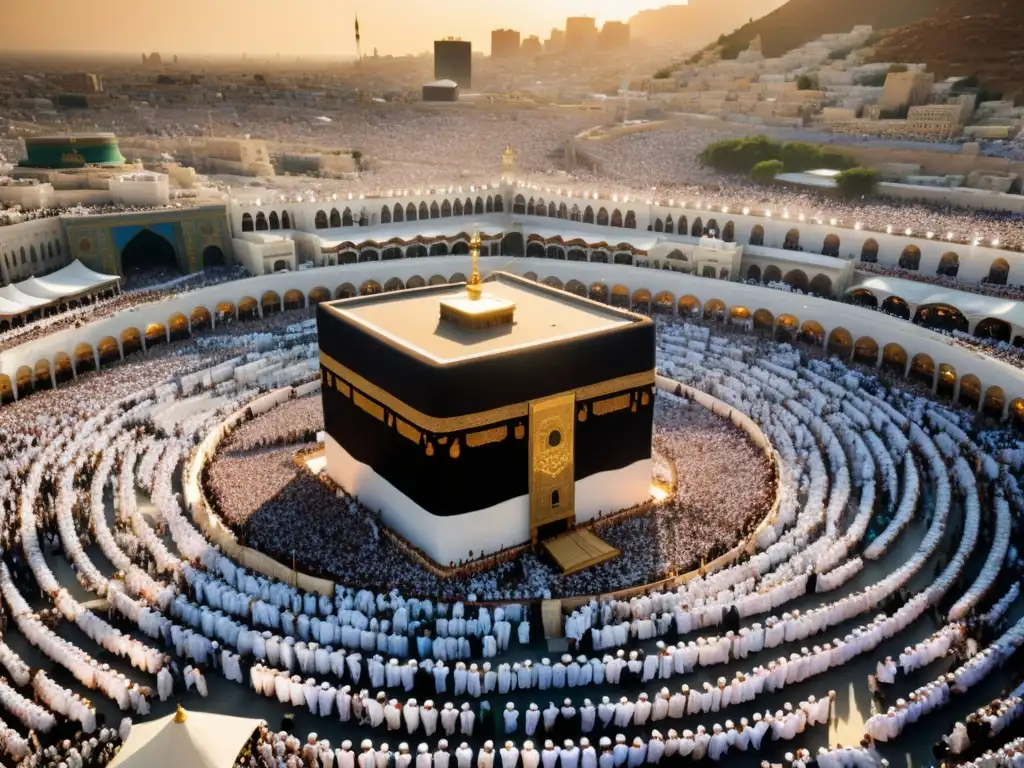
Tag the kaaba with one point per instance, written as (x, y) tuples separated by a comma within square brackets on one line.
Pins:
[(476, 417)]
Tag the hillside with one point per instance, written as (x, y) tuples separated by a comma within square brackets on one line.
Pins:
[(966, 37), (696, 24), (800, 21)]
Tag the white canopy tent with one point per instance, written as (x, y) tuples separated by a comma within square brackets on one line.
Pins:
[(66, 283), (195, 739)]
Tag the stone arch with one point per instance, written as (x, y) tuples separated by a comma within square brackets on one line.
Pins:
[(616, 218), (148, 249), (624, 258), (335, 217), (772, 274), (992, 328), (831, 245), (620, 296), (756, 235), (797, 279), (659, 225), (499, 204), (664, 303), (910, 258), (792, 240), (410, 212), (894, 357), (446, 209), (555, 252), (863, 298), (865, 350), (320, 220), (840, 343), (458, 277), (576, 288), (398, 213), (641, 301), (286, 220), (213, 256), (941, 317), (519, 204), (869, 251), (274, 220), (369, 254), (394, 284), (478, 205), (536, 250), (922, 368), (563, 211), (385, 214), (294, 299), (588, 215), (225, 311), (248, 308), (456, 208), (812, 332), (689, 306), (740, 315), (347, 217), (370, 288), (348, 256), (896, 306), (630, 222), (553, 282), (261, 222), (63, 369), (271, 302), (247, 222), (947, 380), (599, 292), (415, 282), (531, 207), (763, 320), (156, 333), (949, 264), (712, 226), (602, 217), (438, 249), (729, 233), (670, 226), (391, 253), (999, 272), (131, 340), (577, 254), (994, 402), (467, 208), (696, 230), (41, 373), (200, 319), (530, 276), (714, 309), (598, 257), (970, 391), (513, 244), (424, 211), (319, 294), (821, 285), (178, 327), (85, 359), (108, 350)]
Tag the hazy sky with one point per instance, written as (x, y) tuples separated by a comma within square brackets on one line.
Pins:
[(315, 27)]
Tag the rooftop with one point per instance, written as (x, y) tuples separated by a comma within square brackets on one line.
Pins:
[(411, 319)]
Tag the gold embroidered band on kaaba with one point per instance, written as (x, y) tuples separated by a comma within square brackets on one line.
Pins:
[(470, 421)]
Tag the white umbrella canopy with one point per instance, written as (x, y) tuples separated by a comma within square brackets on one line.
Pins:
[(193, 739)]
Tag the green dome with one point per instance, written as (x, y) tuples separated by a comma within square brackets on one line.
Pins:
[(73, 151)]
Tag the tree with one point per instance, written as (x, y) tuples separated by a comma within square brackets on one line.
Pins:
[(766, 171), (857, 182), (801, 156), (806, 83)]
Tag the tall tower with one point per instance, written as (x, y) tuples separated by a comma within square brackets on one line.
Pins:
[(508, 164), (359, 49)]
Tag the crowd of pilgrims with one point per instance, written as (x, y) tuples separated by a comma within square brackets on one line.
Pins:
[(725, 487), (196, 617)]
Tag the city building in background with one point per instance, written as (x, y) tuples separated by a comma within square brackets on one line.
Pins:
[(614, 36), (505, 43), (580, 33), (453, 60)]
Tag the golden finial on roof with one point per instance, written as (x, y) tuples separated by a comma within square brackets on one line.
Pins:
[(473, 284), (180, 716)]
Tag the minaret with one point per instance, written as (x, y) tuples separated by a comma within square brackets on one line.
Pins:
[(508, 164)]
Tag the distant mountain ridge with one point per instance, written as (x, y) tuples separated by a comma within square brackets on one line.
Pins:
[(801, 21), (965, 37), (698, 23)]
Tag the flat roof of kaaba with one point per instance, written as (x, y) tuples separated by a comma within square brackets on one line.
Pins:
[(411, 319)]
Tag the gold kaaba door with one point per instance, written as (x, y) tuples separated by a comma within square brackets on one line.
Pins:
[(552, 467)]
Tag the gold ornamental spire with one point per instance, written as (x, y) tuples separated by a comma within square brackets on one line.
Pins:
[(473, 284)]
